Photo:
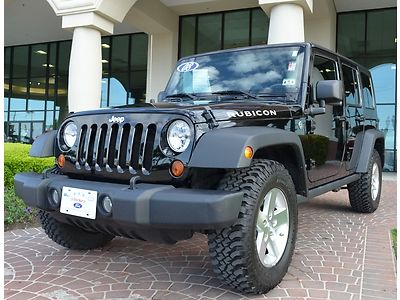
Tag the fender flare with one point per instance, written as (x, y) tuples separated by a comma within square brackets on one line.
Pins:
[(224, 148), (43, 146), (368, 145)]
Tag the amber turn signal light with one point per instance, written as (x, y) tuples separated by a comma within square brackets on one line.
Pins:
[(248, 152), (61, 160), (177, 168)]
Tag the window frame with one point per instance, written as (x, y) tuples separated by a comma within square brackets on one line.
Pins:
[(372, 91)]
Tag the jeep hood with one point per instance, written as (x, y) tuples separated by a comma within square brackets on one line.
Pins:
[(238, 110)]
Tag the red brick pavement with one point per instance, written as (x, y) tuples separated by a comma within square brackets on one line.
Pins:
[(339, 255)]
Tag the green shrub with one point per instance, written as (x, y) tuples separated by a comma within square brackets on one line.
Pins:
[(315, 147), (17, 159), (15, 210)]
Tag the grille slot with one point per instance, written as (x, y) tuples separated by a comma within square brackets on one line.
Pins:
[(116, 148)]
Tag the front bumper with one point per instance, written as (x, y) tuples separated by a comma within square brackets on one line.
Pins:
[(154, 205)]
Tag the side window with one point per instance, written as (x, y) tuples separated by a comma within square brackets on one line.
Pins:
[(323, 69), (367, 95), (350, 85)]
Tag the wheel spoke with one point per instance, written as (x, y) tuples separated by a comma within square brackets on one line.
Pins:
[(280, 217), (272, 201), (272, 247), (261, 218), (261, 244)]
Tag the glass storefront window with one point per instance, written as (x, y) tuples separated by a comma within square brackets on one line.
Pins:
[(384, 80), (259, 27), (390, 161), (20, 62), (381, 34), (387, 124), (7, 62), (64, 51), (209, 33), (236, 29), (39, 60), (188, 35), (351, 33)]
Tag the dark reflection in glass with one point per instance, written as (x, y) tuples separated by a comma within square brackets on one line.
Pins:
[(236, 29), (52, 59), (209, 33), (137, 86), (351, 33), (20, 62), (381, 34), (120, 53), (259, 27), (105, 55), (6, 88), (39, 60), (7, 62), (64, 52), (188, 34)]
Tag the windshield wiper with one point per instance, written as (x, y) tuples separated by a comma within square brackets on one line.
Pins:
[(235, 92), (181, 95)]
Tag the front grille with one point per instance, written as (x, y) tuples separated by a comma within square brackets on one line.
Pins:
[(116, 148)]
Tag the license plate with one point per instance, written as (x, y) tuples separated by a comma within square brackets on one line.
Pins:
[(79, 202)]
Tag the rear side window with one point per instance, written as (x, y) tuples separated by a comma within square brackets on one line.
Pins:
[(351, 85), (367, 94)]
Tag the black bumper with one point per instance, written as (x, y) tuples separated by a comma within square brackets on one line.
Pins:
[(154, 205)]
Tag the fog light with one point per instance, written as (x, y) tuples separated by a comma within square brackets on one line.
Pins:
[(177, 168), (54, 198), (107, 204)]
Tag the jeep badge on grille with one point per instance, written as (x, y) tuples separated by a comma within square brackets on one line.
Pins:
[(115, 119)]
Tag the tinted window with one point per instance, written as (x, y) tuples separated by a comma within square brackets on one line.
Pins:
[(350, 85), (367, 94)]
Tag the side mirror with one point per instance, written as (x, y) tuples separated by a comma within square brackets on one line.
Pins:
[(161, 96), (330, 91)]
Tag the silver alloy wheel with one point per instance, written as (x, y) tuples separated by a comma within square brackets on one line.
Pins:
[(375, 184), (272, 230)]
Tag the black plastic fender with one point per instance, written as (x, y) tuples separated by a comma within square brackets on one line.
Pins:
[(368, 145), (43, 146)]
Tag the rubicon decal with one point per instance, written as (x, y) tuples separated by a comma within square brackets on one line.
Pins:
[(252, 113), (114, 119)]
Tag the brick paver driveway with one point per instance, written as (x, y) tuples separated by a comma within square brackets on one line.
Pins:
[(339, 255)]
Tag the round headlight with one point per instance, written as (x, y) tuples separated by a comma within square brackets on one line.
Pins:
[(178, 136), (70, 134)]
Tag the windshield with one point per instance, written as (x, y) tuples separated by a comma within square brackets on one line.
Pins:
[(257, 73)]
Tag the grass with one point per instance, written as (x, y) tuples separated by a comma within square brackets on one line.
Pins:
[(393, 234)]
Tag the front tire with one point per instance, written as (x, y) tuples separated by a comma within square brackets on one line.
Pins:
[(70, 236), (253, 255), (365, 193)]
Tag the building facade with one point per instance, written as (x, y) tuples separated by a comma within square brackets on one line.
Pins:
[(137, 58)]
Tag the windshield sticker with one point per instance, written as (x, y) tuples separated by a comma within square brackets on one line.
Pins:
[(289, 81), (292, 66), (294, 53), (201, 81), (187, 66)]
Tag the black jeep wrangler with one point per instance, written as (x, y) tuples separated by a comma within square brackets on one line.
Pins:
[(237, 139)]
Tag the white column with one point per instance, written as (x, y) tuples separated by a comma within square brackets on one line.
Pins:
[(84, 81), (286, 19), (286, 24)]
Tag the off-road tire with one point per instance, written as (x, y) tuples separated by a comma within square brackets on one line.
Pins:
[(360, 194), (233, 250), (70, 236)]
